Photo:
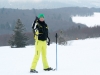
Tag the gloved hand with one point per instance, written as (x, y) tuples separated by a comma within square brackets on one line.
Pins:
[(36, 18), (48, 41)]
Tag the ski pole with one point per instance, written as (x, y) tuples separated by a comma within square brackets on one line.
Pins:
[(56, 53)]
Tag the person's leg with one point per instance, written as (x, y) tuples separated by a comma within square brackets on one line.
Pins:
[(37, 54), (44, 53)]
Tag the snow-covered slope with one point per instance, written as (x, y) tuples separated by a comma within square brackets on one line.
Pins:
[(79, 57), (90, 21)]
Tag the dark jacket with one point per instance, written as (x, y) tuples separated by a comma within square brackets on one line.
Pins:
[(42, 28)]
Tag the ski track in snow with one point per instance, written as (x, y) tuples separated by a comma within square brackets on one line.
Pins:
[(79, 57)]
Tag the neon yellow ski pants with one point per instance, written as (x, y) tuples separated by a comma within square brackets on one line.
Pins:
[(40, 47)]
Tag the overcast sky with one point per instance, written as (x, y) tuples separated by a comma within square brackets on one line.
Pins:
[(25, 0), (54, 3), (54, 0)]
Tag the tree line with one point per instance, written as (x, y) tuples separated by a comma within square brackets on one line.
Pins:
[(60, 17), (20, 38)]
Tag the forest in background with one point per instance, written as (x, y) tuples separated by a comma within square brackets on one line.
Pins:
[(57, 19)]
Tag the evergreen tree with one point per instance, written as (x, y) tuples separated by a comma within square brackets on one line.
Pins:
[(19, 38)]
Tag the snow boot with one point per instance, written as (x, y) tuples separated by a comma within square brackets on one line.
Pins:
[(49, 69), (33, 71)]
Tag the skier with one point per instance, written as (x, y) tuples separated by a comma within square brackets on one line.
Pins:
[(40, 30)]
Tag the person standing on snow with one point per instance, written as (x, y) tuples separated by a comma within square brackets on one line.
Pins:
[(40, 30)]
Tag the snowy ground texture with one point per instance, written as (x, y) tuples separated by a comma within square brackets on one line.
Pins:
[(79, 57), (90, 21)]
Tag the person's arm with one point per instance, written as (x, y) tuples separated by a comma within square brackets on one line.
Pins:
[(48, 39), (34, 25), (36, 19)]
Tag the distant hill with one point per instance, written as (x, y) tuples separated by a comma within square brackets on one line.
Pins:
[(59, 18)]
